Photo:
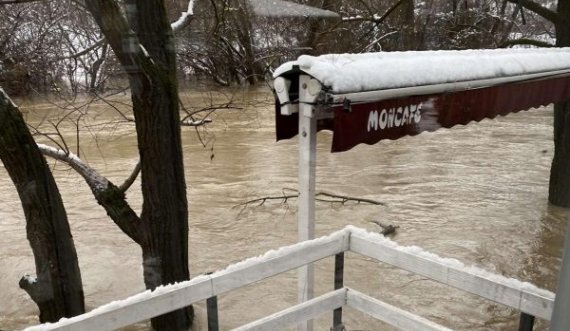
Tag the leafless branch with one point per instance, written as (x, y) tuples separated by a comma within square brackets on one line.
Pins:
[(133, 176), (539, 10), (13, 2), (261, 201), (525, 41), (374, 18), (107, 194), (329, 198), (344, 199), (95, 181), (183, 21), (98, 43)]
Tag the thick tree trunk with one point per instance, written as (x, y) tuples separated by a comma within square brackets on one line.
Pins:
[(148, 57), (559, 189), (57, 289), (407, 26), (157, 116)]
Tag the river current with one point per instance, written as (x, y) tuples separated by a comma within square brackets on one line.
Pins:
[(477, 193)]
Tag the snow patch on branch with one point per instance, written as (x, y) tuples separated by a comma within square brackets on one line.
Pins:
[(30, 279), (190, 122), (96, 182), (184, 18)]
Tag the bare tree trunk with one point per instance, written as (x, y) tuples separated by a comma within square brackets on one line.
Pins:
[(559, 189), (57, 289), (244, 30), (157, 119), (407, 26), (147, 54), (314, 39)]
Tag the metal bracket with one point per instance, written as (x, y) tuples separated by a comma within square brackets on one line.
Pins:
[(310, 90), (281, 86)]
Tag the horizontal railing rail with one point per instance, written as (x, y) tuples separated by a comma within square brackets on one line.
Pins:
[(518, 295), (506, 291)]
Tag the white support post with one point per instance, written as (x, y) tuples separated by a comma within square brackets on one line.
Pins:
[(560, 320), (308, 92)]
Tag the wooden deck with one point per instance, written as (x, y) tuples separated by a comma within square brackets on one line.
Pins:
[(511, 293)]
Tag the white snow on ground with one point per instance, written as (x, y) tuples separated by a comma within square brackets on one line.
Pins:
[(349, 73), (349, 230)]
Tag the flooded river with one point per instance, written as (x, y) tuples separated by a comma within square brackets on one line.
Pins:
[(476, 193)]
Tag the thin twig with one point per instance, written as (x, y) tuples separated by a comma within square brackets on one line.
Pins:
[(336, 198), (262, 200)]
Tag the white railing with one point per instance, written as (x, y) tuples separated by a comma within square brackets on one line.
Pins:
[(525, 297)]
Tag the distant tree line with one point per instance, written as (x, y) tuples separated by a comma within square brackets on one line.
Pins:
[(53, 46)]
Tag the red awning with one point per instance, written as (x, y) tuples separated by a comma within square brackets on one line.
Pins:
[(378, 96), (371, 122)]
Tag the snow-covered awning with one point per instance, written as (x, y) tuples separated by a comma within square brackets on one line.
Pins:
[(377, 96)]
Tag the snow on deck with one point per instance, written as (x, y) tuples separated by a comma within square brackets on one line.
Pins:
[(284, 251), (351, 73)]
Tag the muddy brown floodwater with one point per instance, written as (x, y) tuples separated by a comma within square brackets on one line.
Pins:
[(477, 193)]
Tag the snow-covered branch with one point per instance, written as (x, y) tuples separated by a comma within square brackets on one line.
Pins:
[(107, 194), (375, 18), (96, 182), (191, 122), (184, 19)]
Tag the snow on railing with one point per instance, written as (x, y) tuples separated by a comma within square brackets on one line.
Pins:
[(529, 299)]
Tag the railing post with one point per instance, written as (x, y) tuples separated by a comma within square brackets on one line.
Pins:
[(338, 284), (212, 312), (526, 322)]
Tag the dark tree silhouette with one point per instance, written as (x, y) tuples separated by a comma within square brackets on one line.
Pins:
[(559, 189), (57, 288), (143, 43)]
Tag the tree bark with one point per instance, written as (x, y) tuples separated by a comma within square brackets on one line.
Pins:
[(559, 189), (57, 289), (157, 118), (407, 26), (147, 54)]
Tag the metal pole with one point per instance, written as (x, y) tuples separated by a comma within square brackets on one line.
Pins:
[(212, 312), (526, 322), (308, 92), (560, 320), (338, 284)]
